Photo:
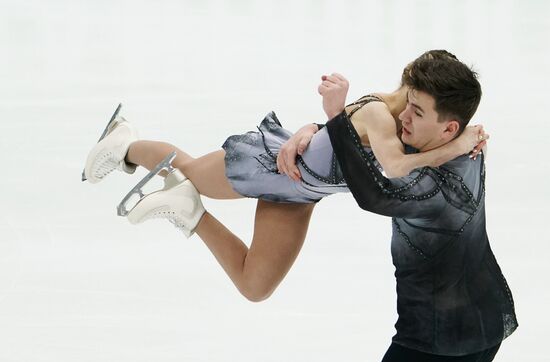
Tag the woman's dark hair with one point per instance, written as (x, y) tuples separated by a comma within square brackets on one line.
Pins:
[(453, 84)]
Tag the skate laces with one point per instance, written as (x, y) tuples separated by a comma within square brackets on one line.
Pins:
[(106, 164), (178, 223), (171, 216)]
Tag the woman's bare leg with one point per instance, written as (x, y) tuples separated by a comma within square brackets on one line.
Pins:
[(207, 173), (279, 233), (279, 228)]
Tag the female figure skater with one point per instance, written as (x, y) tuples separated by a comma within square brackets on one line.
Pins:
[(248, 167)]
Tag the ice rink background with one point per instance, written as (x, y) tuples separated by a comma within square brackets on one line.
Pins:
[(77, 283)]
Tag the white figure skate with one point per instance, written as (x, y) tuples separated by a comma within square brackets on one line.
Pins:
[(179, 201), (111, 148)]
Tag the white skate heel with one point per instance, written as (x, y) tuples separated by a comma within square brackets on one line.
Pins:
[(179, 201), (111, 148)]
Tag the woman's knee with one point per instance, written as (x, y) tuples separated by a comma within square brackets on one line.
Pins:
[(256, 291)]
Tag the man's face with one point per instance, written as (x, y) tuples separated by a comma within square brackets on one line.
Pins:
[(421, 128)]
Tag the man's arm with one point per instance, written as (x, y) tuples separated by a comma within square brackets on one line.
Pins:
[(376, 121), (418, 195)]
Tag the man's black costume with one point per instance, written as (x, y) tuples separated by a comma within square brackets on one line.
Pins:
[(452, 298)]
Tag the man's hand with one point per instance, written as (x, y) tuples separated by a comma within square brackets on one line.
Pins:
[(296, 145), (472, 140), (333, 89)]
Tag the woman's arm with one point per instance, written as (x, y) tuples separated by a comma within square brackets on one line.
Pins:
[(376, 121), (333, 89)]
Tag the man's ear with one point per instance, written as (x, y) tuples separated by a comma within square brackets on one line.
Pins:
[(451, 130)]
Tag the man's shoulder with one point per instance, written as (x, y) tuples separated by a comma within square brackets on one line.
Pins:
[(463, 165), (463, 174)]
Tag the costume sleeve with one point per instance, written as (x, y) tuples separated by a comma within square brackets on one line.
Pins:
[(414, 196), (320, 126)]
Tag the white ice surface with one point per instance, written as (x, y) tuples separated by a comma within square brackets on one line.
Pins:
[(77, 283)]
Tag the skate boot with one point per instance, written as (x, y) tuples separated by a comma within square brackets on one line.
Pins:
[(179, 201), (111, 148)]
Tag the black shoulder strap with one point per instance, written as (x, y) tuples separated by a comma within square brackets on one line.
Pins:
[(361, 102)]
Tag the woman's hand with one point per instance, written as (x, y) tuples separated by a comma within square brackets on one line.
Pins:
[(472, 140), (333, 89), (296, 145)]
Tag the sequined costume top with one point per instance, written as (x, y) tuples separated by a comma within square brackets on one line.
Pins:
[(452, 298)]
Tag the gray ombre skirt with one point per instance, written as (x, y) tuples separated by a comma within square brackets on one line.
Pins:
[(251, 165)]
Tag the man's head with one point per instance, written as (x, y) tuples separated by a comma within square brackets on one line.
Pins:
[(444, 95)]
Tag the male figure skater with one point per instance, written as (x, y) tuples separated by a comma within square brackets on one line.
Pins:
[(453, 302)]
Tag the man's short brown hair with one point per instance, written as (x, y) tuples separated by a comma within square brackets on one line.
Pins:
[(453, 84)]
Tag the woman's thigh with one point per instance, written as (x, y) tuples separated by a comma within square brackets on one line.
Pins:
[(279, 233), (207, 173)]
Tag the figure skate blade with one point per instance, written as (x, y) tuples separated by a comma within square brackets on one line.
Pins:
[(165, 164)]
